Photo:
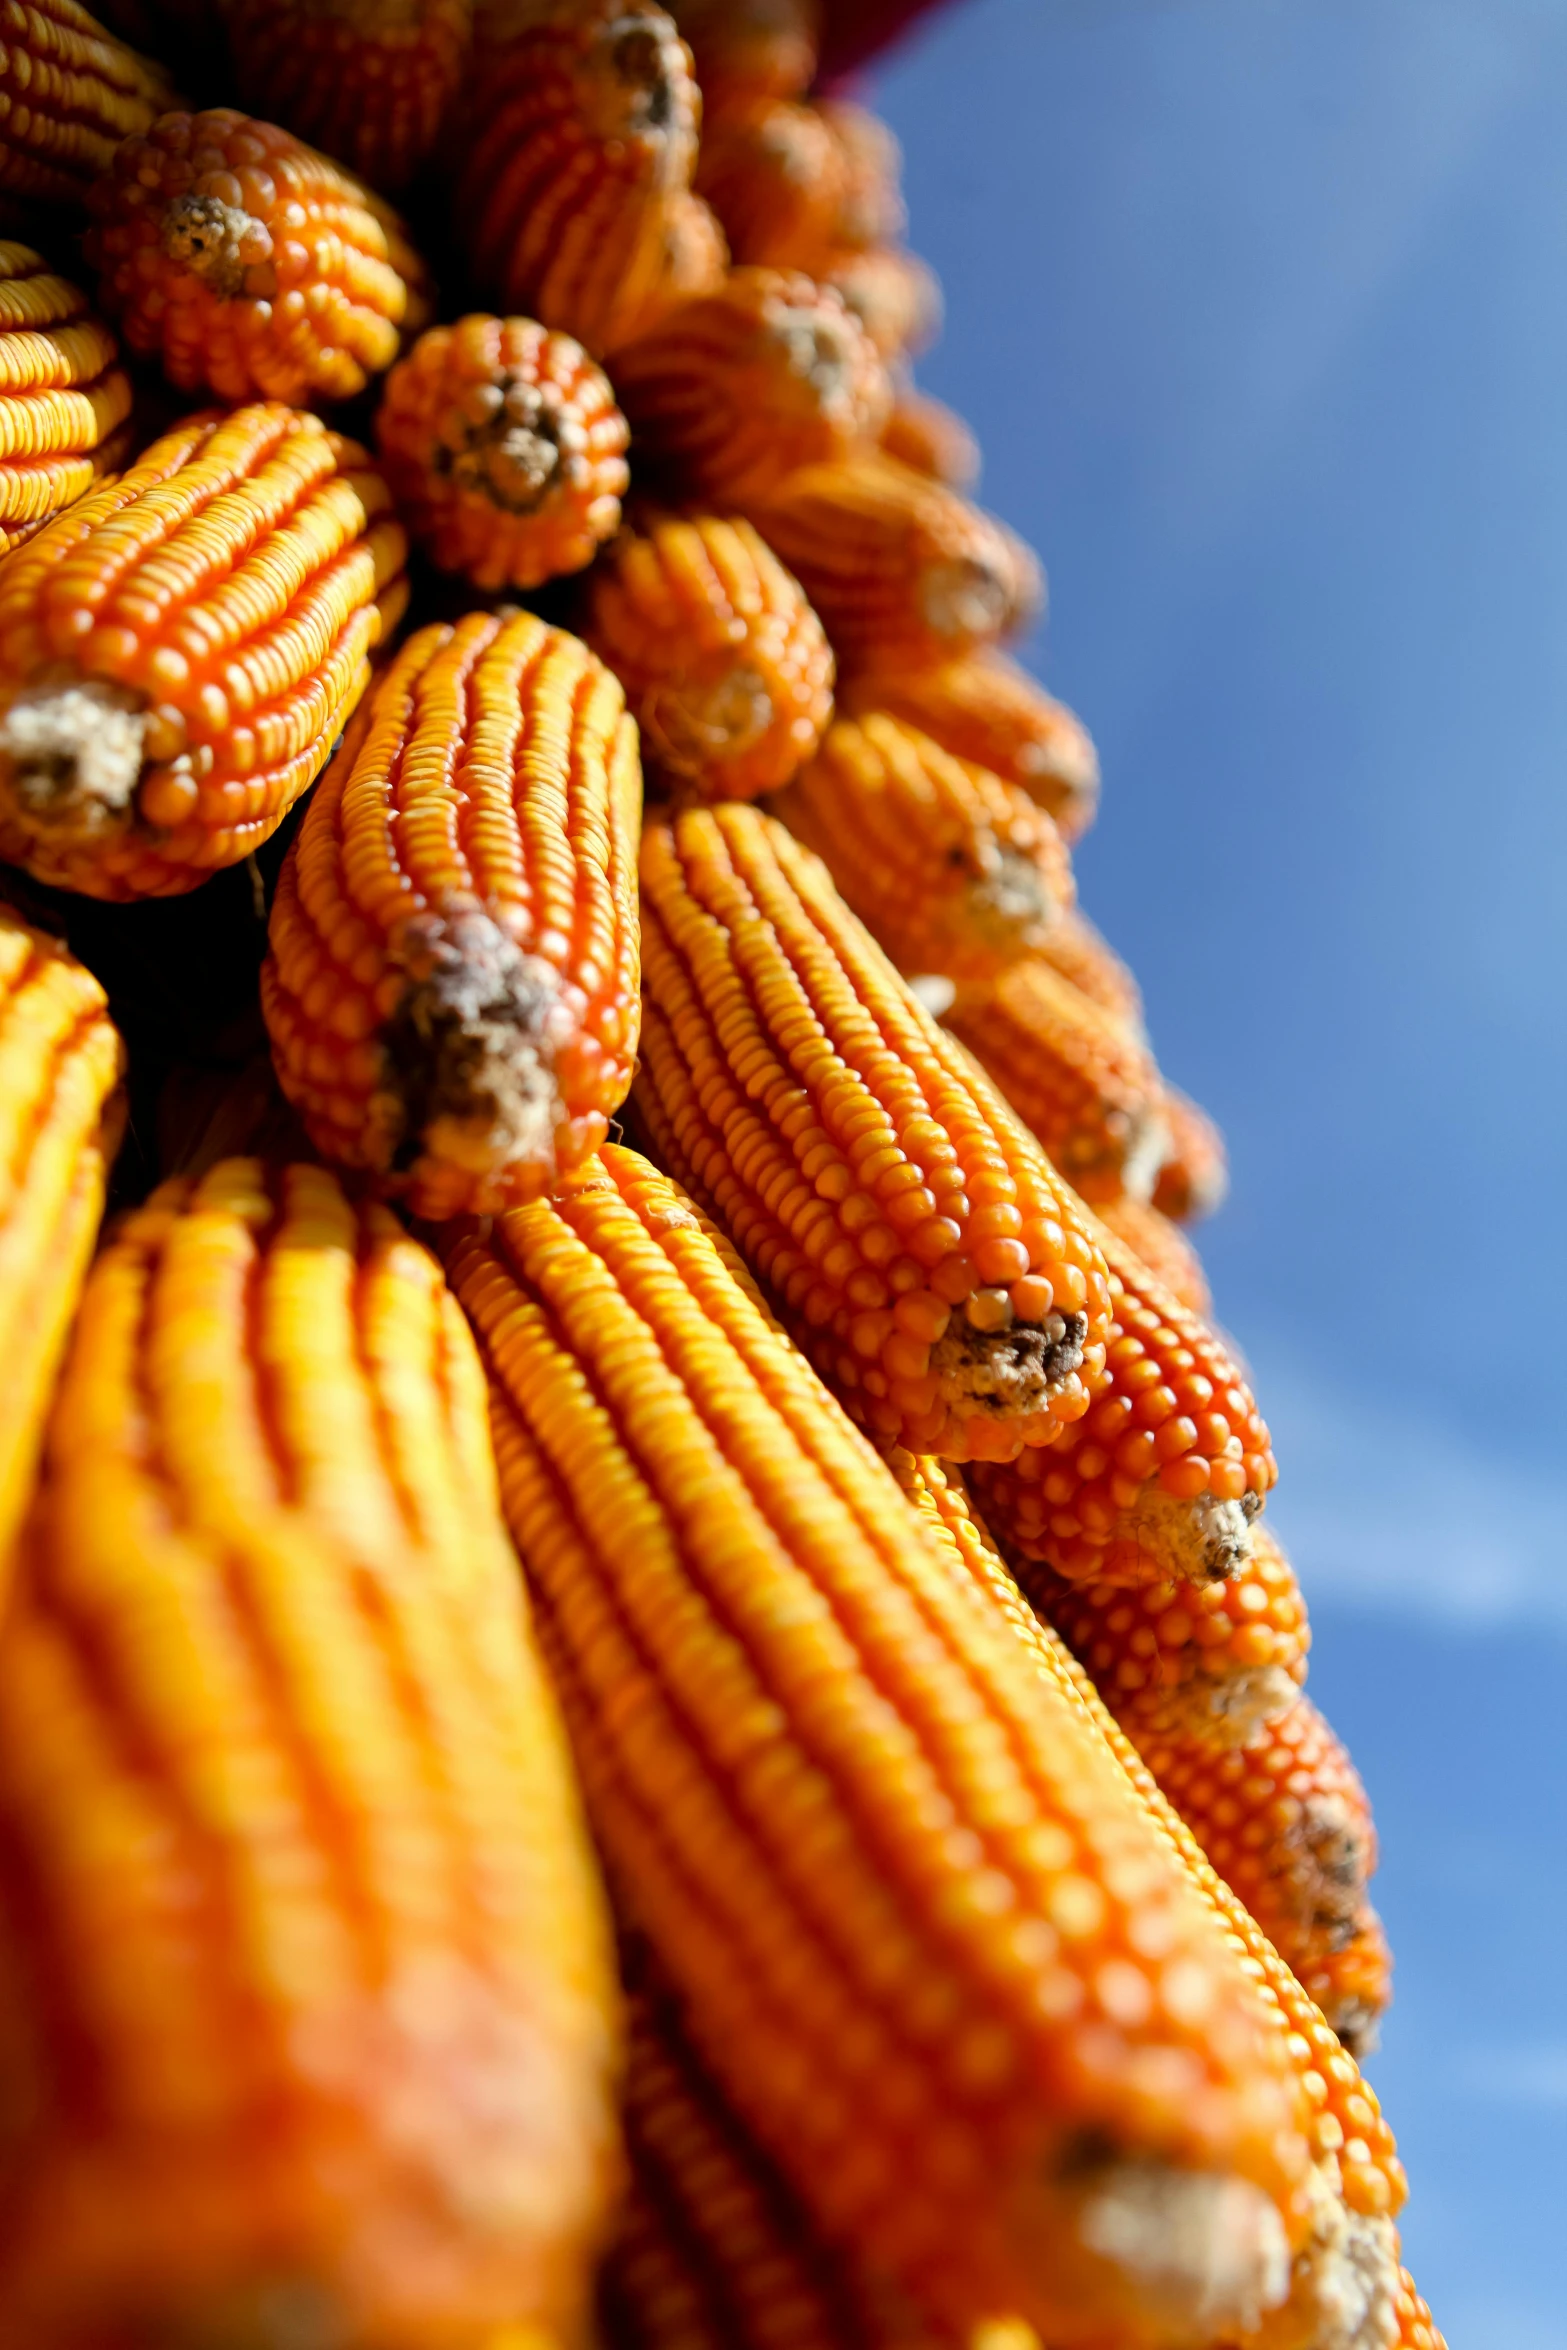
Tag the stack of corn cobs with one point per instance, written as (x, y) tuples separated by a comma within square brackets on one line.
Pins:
[(870, 1875)]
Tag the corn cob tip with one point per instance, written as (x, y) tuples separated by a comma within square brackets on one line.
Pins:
[(75, 754), (1206, 1540), (470, 1046), (1006, 1371)]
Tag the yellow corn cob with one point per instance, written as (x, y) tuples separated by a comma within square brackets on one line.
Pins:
[(1415, 2329), (59, 1122), (179, 650), (904, 1900), (451, 985), (893, 293), (732, 393), (929, 437), (63, 395), (953, 871), (987, 708), (901, 569), (715, 2250), (1163, 1247), (1346, 2289), (1160, 1479), (1193, 1178), (727, 670), (1076, 950), (308, 2029), (931, 1263), (1079, 1079), (69, 93)]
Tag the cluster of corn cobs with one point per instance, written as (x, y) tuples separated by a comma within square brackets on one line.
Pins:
[(795, 1908)]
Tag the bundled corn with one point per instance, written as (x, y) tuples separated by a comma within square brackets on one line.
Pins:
[(994, 1949)]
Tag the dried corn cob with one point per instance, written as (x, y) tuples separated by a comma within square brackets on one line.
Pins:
[(1163, 1247), (179, 650), (308, 1982), (893, 293), (715, 2250), (69, 93), (901, 569), (987, 708), (1211, 1663), (1079, 1079), (748, 51), (901, 1902), (951, 869), (930, 438), (249, 264), (1344, 2286), (777, 178), (1193, 1177), (59, 1122), (574, 196), (367, 83), (932, 1264), (1415, 2329), (504, 449), (63, 395), (734, 392), (871, 210), (1285, 1821), (1159, 1481), (1075, 949), (451, 986), (725, 666)]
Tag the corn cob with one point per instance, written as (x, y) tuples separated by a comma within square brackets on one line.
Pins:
[(1285, 1821), (715, 2251), (451, 989), (368, 83), (987, 708), (504, 449), (930, 438), (310, 1991), (734, 392), (952, 870), (901, 569), (1079, 1079), (930, 1262), (1171, 1660), (575, 193), (871, 209), (1415, 2329), (748, 51), (777, 179), (179, 650), (1164, 1248), (63, 395), (1160, 1480), (69, 93), (1076, 949), (59, 1123), (248, 264), (725, 666), (1193, 1178), (823, 1777), (893, 293)]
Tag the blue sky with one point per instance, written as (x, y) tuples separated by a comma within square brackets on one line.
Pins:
[(1260, 310)]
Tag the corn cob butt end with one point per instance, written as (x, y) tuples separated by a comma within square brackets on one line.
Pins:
[(73, 754)]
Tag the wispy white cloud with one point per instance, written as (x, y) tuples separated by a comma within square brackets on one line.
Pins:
[(1379, 1505)]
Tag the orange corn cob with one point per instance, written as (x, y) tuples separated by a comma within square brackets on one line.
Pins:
[(931, 438), (725, 666), (451, 989), (952, 870), (1285, 1821), (574, 199), (871, 210), (1211, 1663), (735, 391), (901, 569), (1076, 949), (63, 395), (1193, 1177), (1163, 1247), (1415, 2329), (504, 449), (179, 650), (367, 83), (1079, 1079), (987, 708), (715, 2250), (308, 2009), (1345, 2282), (932, 1264), (893, 293), (904, 1903), (69, 93), (748, 51), (248, 264), (777, 179), (1159, 1481), (59, 1123)]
